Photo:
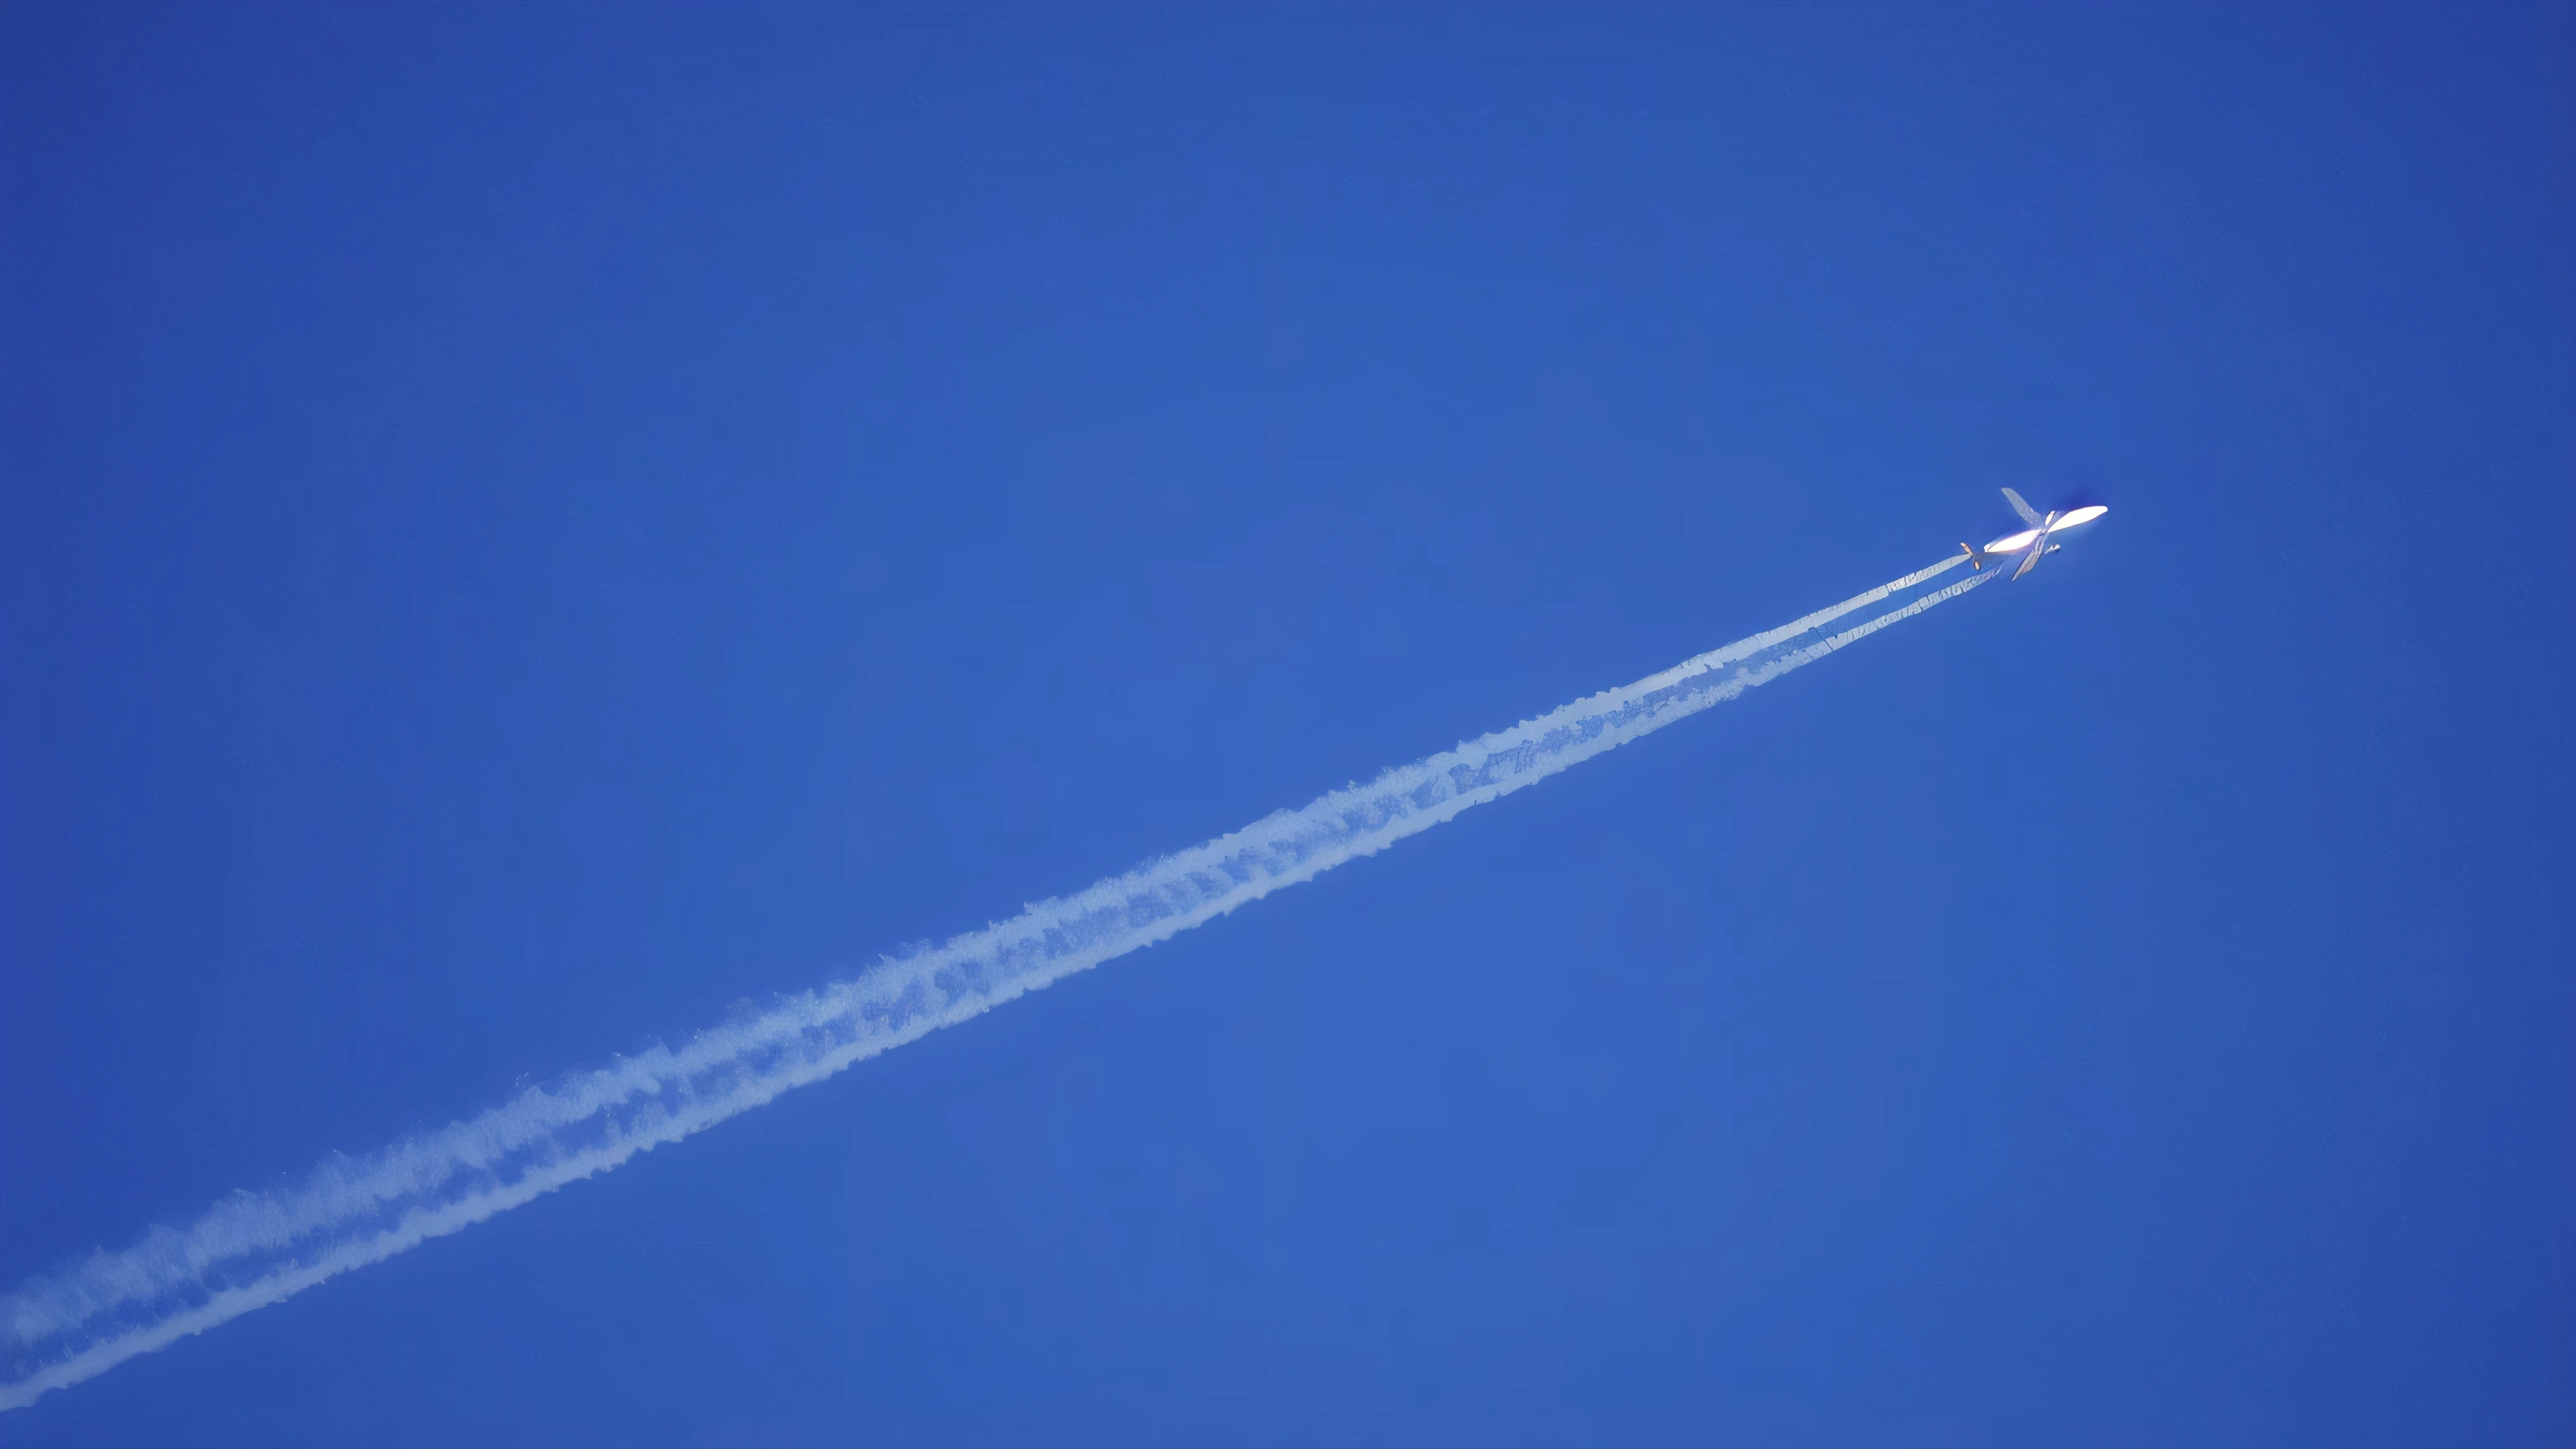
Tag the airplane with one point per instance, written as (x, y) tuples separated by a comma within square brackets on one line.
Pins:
[(2034, 540)]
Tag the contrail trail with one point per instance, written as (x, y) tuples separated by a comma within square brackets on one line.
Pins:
[(254, 1249)]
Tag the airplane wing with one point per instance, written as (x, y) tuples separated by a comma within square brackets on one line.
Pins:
[(2028, 514), (2038, 545)]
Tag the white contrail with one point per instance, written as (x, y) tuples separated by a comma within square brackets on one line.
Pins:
[(254, 1249)]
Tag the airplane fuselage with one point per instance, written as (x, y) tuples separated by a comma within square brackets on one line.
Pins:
[(2037, 539)]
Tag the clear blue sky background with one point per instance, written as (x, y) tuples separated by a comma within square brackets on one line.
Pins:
[(525, 526)]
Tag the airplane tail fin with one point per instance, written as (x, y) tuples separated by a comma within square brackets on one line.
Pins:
[(2028, 514), (1976, 556)]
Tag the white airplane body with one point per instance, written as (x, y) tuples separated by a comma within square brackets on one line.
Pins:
[(2040, 538)]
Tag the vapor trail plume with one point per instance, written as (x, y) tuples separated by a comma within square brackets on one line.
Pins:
[(255, 1249)]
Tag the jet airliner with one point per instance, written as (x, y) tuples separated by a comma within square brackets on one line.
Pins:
[(2035, 540)]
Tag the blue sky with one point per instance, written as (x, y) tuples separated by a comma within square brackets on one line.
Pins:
[(525, 527)]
